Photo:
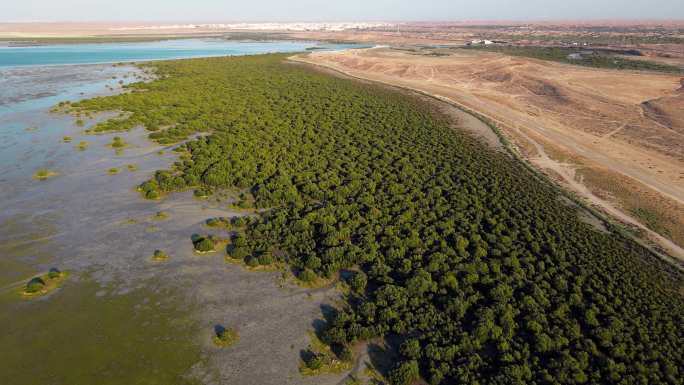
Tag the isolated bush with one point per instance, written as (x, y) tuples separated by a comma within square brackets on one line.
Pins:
[(54, 273), (35, 285), (117, 142), (204, 245), (159, 254)]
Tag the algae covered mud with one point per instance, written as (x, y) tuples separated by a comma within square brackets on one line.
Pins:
[(119, 316)]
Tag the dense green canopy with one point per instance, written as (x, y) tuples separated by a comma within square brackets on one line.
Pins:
[(459, 251)]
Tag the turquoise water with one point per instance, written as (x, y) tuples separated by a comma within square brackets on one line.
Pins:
[(126, 52)]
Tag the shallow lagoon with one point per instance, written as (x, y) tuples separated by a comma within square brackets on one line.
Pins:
[(126, 52), (121, 314)]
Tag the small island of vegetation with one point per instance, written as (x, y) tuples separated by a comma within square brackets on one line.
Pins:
[(118, 143), (159, 256), (204, 244), (224, 337), (45, 283)]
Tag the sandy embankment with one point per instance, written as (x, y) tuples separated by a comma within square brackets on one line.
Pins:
[(562, 118)]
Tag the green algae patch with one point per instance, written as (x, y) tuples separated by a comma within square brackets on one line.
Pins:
[(132, 167), (80, 338), (43, 174), (113, 171), (67, 139), (44, 284)]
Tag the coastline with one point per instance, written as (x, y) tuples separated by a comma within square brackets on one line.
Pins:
[(104, 233)]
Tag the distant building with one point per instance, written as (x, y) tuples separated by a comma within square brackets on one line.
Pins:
[(480, 42), (575, 56)]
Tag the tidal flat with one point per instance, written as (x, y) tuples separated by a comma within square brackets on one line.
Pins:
[(121, 318)]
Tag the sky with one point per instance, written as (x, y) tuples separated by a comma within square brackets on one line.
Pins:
[(335, 10)]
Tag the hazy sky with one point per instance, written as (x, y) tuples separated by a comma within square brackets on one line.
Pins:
[(333, 10)]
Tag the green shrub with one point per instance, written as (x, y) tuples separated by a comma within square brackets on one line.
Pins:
[(313, 262), (358, 282), (405, 373), (315, 361), (204, 245), (118, 142), (307, 275), (35, 285), (266, 258), (54, 273), (152, 194), (238, 252), (159, 255), (224, 337), (345, 353), (202, 193), (251, 261)]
